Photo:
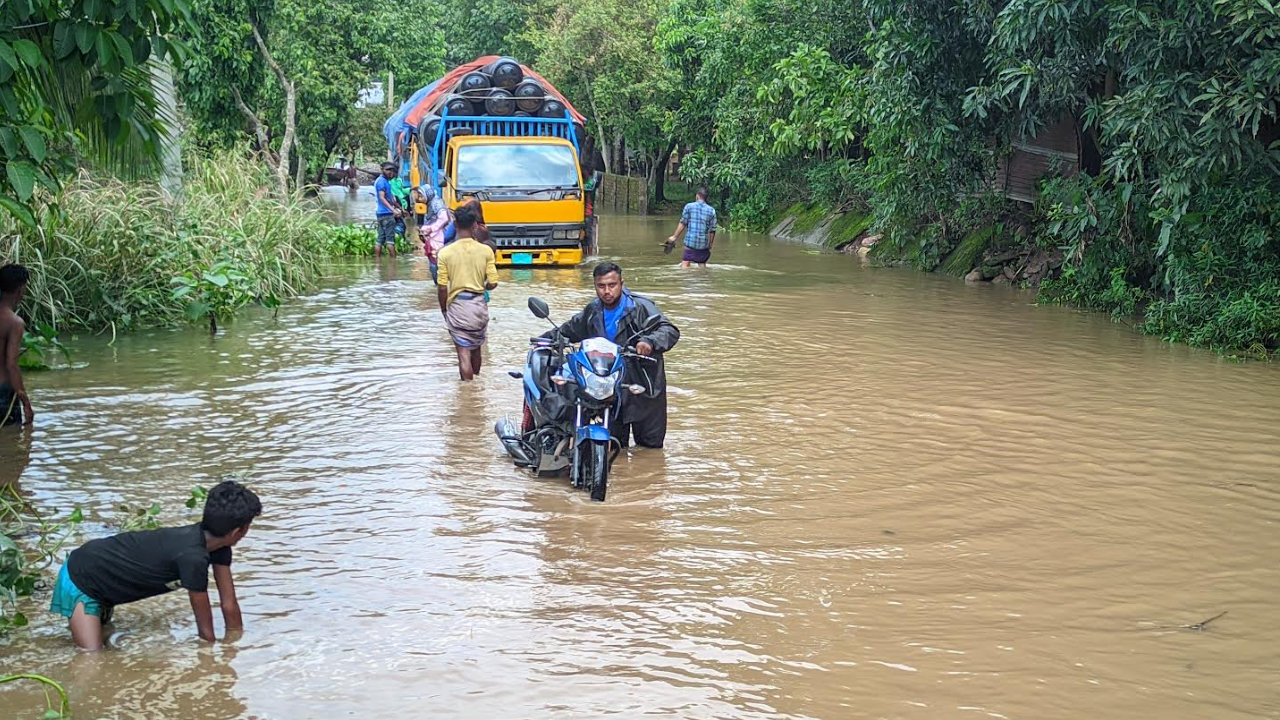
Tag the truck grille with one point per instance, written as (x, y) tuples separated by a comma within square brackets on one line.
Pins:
[(513, 236)]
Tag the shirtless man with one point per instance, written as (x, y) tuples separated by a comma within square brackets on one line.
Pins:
[(13, 282)]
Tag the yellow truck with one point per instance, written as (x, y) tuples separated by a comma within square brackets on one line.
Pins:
[(527, 174)]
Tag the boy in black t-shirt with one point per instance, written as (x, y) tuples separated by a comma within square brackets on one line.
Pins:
[(135, 565)]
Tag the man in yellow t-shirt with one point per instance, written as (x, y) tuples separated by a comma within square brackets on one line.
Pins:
[(466, 271)]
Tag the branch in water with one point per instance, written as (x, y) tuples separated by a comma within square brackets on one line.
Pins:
[(1200, 626)]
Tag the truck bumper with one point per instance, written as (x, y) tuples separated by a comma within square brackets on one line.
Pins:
[(518, 257)]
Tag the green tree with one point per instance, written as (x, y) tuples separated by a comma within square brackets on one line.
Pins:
[(1172, 94), (1176, 103), (728, 54), (599, 54), (494, 27), (74, 86), (313, 57)]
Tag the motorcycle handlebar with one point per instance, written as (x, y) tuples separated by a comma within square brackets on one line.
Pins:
[(630, 353), (559, 342)]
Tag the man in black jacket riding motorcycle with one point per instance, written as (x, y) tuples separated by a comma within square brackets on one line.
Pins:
[(630, 321)]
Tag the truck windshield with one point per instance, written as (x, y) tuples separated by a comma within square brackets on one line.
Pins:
[(531, 166)]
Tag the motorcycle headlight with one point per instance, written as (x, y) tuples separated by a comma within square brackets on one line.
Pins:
[(598, 386)]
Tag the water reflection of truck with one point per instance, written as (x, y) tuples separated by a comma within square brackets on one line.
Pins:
[(525, 170)]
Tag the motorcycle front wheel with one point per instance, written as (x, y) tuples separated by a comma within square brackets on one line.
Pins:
[(593, 468)]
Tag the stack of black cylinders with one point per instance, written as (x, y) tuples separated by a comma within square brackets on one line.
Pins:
[(499, 89)]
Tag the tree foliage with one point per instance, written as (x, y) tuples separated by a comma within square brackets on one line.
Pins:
[(74, 86), (495, 27), (904, 110), (599, 53), (327, 51), (908, 109), (1177, 102)]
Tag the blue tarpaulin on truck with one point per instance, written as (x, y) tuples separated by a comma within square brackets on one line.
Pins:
[(396, 124)]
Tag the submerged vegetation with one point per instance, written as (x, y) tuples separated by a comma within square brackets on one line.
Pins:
[(119, 255), (40, 345), (23, 567)]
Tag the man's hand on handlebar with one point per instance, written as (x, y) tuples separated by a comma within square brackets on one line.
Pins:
[(644, 348), (636, 354)]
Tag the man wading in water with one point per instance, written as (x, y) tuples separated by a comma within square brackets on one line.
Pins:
[(466, 271), (698, 223), (388, 211), (13, 393), (630, 320)]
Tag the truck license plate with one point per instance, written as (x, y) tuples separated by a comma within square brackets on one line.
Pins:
[(521, 258)]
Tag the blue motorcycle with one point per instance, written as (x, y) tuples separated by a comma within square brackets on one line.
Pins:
[(571, 394)]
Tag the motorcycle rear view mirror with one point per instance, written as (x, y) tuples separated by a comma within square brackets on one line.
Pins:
[(644, 329), (539, 308)]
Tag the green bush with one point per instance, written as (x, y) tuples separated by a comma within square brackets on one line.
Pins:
[(1220, 287), (756, 212), (1216, 285), (833, 183), (358, 241), (112, 254)]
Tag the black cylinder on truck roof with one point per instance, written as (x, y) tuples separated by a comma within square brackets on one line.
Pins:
[(529, 94), (458, 105), (428, 129), (551, 108), (475, 80), (505, 72), (499, 103)]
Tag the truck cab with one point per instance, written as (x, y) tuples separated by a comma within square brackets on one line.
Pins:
[(527, 175)]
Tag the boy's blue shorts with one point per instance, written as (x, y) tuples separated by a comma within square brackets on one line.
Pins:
[(66, 596)]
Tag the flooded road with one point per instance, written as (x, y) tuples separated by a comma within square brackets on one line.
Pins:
[(885, 495)]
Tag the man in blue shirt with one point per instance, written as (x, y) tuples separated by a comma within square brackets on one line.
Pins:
[(631, 321), (698, 223), (388, 210)]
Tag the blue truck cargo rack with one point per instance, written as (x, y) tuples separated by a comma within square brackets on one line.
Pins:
[(493, 126)]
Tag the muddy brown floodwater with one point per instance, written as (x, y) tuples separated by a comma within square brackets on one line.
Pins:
[(886, 494)]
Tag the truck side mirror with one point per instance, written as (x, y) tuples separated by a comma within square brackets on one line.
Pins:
[(594, 182), (441, 179)]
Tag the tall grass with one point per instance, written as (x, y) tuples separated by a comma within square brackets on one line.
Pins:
[(107, 253)]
